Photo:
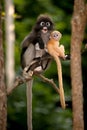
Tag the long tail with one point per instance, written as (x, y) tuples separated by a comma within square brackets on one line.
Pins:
[(59, 68)]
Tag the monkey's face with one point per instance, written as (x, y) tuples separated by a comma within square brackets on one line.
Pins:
[(44, 24), (56, 35)]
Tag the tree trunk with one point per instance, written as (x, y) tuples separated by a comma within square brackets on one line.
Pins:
[(3, 107), (10, 38), (78, 27)]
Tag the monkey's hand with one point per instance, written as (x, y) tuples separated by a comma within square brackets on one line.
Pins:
[(27, 74), (40, 41)]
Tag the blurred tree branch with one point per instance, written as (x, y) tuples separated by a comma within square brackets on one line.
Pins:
[(20, 80)]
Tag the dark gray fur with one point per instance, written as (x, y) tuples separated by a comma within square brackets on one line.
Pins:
[(29, 51)]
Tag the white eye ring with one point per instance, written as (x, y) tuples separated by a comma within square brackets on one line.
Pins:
[(48, 24), (42, 23)]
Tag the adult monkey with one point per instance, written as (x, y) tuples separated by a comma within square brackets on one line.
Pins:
[(33, 48)]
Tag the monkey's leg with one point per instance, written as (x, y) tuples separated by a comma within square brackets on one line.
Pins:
[(28, 74), (35, 63), (42, 62), (62, 48), (67, 57)]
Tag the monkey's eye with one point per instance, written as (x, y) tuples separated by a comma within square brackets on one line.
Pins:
[(42, 23), (48, 24), (55, 35)]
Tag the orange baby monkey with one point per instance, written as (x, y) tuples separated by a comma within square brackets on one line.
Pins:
[(57, 51)]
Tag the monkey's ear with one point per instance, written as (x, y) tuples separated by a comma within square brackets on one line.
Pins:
[(60, 36)]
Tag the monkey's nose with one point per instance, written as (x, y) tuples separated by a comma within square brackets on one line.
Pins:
[(44, 30)]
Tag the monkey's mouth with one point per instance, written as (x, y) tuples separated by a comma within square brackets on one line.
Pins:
[(44, 30)]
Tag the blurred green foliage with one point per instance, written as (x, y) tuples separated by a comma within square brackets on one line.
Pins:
[(47, 113)]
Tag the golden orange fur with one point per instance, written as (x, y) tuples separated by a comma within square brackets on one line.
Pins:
[(57, 51)]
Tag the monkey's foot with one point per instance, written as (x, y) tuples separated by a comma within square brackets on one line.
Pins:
[(38, 69), (28, 74), (67, 57)]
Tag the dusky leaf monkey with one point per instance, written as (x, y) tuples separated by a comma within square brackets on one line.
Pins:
[(33, 45), (57, 51), (33, 49)]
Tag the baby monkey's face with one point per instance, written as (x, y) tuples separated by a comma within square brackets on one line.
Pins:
[(56, 35)]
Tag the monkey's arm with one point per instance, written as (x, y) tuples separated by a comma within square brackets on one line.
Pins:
[(40, 41)]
